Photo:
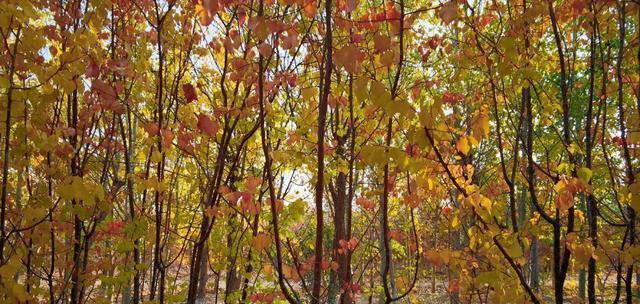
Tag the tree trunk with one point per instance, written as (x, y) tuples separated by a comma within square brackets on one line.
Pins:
[(203, 276)]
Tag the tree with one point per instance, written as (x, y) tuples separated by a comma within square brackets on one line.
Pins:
[(318, 151)]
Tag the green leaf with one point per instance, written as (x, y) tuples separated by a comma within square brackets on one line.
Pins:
[(585, 174)]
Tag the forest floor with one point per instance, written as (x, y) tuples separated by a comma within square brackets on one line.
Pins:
[(426, 292)]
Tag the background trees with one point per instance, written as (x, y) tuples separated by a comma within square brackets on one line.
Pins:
[(310, 151)]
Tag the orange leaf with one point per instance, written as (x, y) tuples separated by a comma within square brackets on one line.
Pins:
[(381, 42), (265, 49), (204, 16), (310, 9), (448, 12), (261, 242), (252, 183), (325, 265), (349, 57), (365, 203), (167, 137)]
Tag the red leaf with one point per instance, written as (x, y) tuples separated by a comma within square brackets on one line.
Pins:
[(167, 137), (189, 92), (325, 265), (184, 141), (351, 5), (452, 97), (151, 128), (104, 90), (93, 70), (206, 125), (118, 66)]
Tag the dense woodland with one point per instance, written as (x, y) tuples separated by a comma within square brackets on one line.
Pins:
[(319, 151)]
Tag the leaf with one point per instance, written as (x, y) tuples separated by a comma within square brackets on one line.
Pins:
[(151, 128), (360, 89), (203, 15), (463, 145), (103, 90), (206, 125), (381, 42), (448, 12), (265, 49), (365, 203), (189, 92), (374, 155), (349, 57), (438, 257), (325, 265), (583, 252), (480, 126), (167, 137), (379, 94), (206, 11), (578, 6), (184, 141), (212, 211), (252, 183), (309, 93), (585, 174), (156, 156), (93, 70), (261, 242), (513, 249), (455, 221), (564, 196), (310, 9), (452, 97), (351, 5), (489, 277), (635, 202)]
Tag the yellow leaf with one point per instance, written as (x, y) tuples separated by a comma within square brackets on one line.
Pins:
[(455, 222), (309, 93), (360, 88), (463, 145), (156, 156), (379, 94)]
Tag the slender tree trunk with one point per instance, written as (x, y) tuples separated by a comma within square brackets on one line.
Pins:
[(269, 173), (535, 265), (629, 171), (343, 271), (7, 148), (77, 223), (592, 217), (203, 277), (325, 88), (249, 268), (232, 280)]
